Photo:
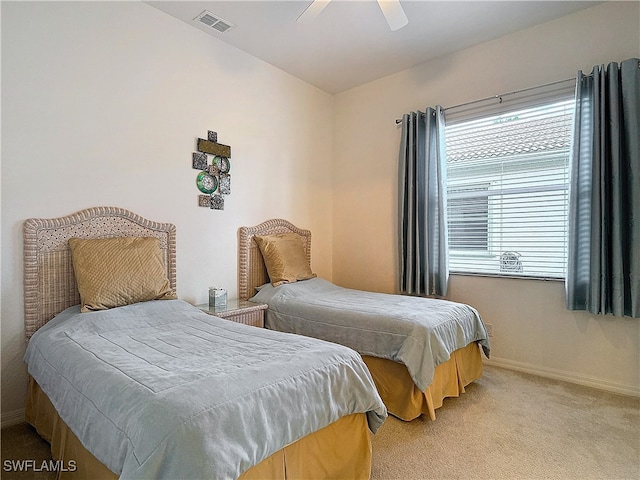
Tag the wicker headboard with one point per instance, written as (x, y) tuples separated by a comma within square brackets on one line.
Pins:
[(49, 282), (251, 269)]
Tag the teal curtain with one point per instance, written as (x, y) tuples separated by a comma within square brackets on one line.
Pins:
[(603, 271), (423, 204)]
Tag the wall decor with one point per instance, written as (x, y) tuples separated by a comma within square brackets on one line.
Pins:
[(213, 175), (222, 163), (213, 148), (204, 201), (206, 183), (217, 202), (199, 161), (224, 184)]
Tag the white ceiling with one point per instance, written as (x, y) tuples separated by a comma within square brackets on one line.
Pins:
[(350, 43)]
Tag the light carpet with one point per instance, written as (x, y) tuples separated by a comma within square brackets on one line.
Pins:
[(511, 425)]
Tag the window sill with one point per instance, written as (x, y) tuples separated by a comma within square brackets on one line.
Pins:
[(516, 277)]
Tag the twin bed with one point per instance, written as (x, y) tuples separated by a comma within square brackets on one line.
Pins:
[(418, 350), (131, 385)]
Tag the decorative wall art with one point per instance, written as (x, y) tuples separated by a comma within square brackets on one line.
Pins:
[(224, 183), (199, 161), (217, 202), (213, 176)]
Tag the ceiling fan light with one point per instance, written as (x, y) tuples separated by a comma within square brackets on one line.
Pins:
[(393, 13)]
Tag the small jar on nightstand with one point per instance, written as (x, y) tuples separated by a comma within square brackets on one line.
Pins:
[(240, 311)]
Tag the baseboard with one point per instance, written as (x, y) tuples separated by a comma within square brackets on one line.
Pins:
[(570, 377), (12, 418)]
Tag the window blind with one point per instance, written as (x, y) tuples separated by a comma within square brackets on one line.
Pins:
[(507, 183)]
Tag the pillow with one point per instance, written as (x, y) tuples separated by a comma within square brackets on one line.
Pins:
[(112, 272), (284, 257)]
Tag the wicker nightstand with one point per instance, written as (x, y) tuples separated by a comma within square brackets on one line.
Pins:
[(240, 311)]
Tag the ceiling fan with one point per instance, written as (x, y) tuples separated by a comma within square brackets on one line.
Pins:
[(391, 9)]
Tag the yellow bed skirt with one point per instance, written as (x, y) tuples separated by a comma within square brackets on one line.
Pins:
[(405, 401), (340, 450)]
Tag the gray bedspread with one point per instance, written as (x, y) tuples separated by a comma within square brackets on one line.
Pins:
[(162, 390), (419, 332)]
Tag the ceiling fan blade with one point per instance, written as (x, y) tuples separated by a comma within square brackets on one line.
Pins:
[(313, 10), (394, 13)]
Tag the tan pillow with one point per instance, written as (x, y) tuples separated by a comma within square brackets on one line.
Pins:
[(112, 272), (284, 257)]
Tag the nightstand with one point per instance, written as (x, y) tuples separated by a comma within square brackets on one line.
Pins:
[(240, 311)]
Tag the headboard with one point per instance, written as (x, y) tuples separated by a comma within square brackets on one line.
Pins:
[(49, 281), (251, 269)]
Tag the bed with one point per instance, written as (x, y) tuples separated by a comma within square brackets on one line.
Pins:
[(156, 388), (418, 350)]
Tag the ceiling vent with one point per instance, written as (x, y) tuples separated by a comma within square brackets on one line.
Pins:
[(212, 21)]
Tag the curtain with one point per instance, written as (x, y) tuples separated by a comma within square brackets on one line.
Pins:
[(603, 272), (423, 204)]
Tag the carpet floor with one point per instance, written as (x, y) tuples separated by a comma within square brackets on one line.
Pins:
[(508, 425), (511, 425)]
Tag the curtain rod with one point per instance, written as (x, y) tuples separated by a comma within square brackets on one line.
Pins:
[(399, 120)]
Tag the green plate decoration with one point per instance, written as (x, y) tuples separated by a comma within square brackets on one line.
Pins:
[(222, 163), (206, 183)]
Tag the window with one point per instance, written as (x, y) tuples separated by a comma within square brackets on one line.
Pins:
[(507, 185)]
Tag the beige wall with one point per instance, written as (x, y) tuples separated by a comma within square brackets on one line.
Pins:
[(532, 329), (101, 105)]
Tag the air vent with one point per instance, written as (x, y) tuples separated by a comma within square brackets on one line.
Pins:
[(213, 21)]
